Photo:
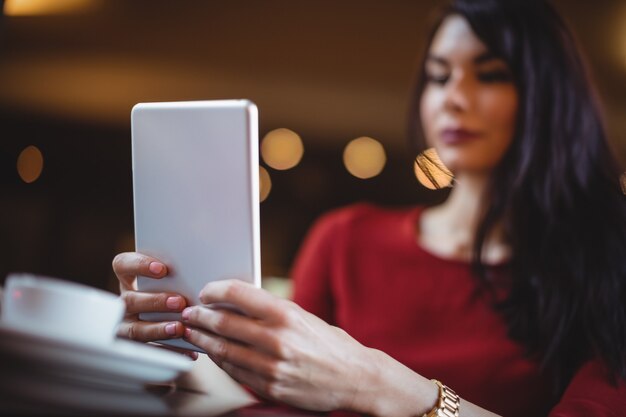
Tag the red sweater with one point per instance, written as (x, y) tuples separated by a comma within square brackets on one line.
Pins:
[(362, 269)]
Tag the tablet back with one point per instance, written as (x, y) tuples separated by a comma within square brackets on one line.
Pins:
[(195, 185)]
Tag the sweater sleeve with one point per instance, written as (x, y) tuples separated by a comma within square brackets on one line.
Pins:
[(592, 394)]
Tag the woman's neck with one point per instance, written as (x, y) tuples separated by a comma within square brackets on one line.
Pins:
[(449, 229), (463, 208)]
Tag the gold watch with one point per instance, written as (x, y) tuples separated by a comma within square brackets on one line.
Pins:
[(447, 405)]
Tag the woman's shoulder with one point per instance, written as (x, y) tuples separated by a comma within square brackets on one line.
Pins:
[(368, 214), (365, 222)]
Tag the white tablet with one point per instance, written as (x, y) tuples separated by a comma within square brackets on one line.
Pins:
[(196, 197)]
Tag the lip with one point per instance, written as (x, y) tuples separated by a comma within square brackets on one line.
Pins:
[(458, 136)]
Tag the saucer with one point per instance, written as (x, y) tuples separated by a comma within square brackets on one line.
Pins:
[(121, 364), (40, 394)]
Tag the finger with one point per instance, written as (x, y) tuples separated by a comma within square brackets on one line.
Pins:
[(223, 351), (232, 326), (144, 331), (251, 300), (256, 382), (190, 353), (128, 265), (145, 302)]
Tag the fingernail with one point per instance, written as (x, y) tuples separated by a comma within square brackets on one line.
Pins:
[(155, 267), (187, 332), (170, 329), (173, 303), (193, 355), (186, 313)]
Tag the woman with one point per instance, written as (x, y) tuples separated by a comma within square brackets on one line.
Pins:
[(511, 292)]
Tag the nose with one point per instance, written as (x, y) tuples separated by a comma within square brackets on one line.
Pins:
[(458, 93)]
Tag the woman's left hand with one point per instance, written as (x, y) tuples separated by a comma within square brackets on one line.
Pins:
[(281, 351)]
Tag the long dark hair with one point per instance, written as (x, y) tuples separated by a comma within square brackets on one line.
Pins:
[(556, 190)]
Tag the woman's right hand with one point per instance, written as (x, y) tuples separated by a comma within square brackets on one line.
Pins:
[(126, 267)]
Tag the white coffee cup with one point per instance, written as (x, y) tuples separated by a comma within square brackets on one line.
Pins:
[(60, 309)]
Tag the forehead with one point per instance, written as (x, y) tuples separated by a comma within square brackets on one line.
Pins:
[(455, 37)]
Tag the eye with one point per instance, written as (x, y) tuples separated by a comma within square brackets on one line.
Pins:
[(495, 76), (437, 79)]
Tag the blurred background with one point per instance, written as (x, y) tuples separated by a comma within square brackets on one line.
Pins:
[(331, 80)]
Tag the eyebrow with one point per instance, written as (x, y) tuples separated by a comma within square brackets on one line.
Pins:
[(480, 59)]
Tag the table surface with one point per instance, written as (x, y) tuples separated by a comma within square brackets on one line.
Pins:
[(26, 390)]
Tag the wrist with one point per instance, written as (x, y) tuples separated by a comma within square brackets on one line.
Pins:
[(394, 390), (368, 383)]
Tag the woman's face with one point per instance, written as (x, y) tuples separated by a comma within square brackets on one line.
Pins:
[(469, 105)]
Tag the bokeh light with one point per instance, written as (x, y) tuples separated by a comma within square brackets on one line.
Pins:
[(30, 164), (47, 7), (265, 184), (282, 149), (431, 172), (364, 157)]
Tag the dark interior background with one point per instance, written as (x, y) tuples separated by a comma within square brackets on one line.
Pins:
[(329, 70)]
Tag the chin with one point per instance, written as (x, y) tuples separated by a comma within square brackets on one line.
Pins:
[(452, 162)]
